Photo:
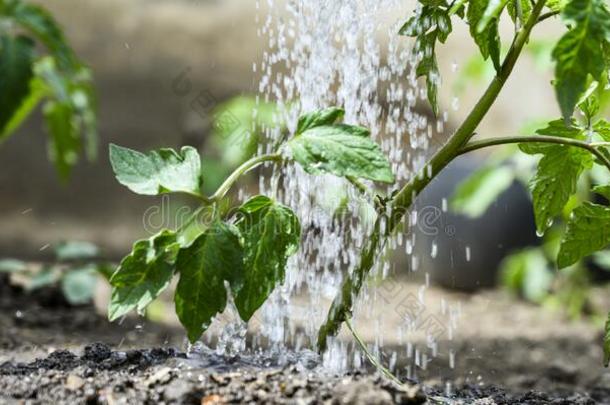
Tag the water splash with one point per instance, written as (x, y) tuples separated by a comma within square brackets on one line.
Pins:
[(346, 53)]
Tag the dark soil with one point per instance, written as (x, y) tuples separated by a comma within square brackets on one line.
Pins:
[(47, 356)]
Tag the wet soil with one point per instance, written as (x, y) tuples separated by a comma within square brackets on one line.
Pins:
[(50, 353)]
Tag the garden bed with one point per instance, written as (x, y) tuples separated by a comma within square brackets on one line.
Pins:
[(49, 352)]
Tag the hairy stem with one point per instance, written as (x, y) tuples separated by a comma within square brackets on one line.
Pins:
[(374, 361), (240, 171), (341, 307), (591, 147)]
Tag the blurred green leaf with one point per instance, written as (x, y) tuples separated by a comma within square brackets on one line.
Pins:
[(526, 273), (78, 285), (238, 126), (541, 51), (60, 78), (69, 113), (40, 23), (76, 250), (37, 92), (474, 196), (16, 59), (65, 143), (46, 277), (12, 266), (216, 171), (475, 70)]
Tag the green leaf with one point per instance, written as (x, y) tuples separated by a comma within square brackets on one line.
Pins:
[(40, 22), (44, 278), (526, 10), (579, 52), (526, 273), (602, 128), (430, 25), (487, 39), (37, 93), (589, 102), (271, 233), (195, 225), (76, 250), (557, 173), (556, 5), (238, 126), (492, 13), (157, 172), (60, 77), (342, 150), (16, 58), (607, 342), (480, 190), (214, 257), (78, 285), (65, 144), (12, 266), (603, 191), (587, 232), (327, 116), (70, 113), (106, 270), (457, 7), (432, 3), (143, 274)]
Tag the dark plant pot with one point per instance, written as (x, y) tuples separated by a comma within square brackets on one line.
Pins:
[(507, 225)]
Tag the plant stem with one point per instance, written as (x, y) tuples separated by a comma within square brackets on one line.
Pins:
[(374, 361), (240, 171), (451, 149), (548, 15), (341, 308), (591, 147), (363, 189)]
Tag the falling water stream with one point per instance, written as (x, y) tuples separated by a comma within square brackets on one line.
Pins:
[(347, 53)]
